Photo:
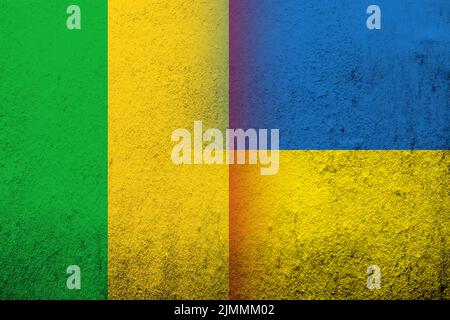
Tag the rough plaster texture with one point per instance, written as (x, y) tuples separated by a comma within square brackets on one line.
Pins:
[(312, 69), (311, 231), (53, 156), (168, 224)]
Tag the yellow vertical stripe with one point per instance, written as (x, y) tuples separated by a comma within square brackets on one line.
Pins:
[(168, 224)]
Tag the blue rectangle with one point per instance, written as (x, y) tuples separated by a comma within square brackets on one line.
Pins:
[(315, 71)]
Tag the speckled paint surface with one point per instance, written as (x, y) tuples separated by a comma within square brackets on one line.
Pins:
[(313, 69), (53, 151), (311, 231), (86, 176), (168, 224)]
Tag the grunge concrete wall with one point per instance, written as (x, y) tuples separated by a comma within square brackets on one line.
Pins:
[(168, 224), (53, 150), (364, 128), (312, 230), (313, 70)]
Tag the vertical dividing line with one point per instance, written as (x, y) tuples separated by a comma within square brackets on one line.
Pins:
[(230, 185)]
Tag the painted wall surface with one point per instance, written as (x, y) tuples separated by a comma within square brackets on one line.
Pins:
[(315, 71), (168, 224), (53, 150), (312, 230), (87, 179)]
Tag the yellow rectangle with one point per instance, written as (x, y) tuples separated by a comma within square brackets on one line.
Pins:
[(313, 230), (168, 224)]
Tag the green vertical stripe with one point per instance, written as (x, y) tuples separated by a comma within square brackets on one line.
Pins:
[(53, 149)]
